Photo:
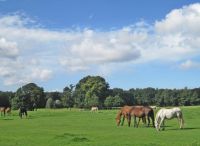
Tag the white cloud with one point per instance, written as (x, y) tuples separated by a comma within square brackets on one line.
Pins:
[(29, 52), (188, 64), (8, 49)]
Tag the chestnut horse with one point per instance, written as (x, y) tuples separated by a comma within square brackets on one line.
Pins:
[(142, 112), (135, 111), (124, 112)]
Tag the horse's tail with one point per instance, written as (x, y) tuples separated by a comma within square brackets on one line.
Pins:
[(152, 117)]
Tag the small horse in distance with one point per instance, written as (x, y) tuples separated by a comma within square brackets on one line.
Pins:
[(163, 114), (5, 110), (94, 108), (22, 111)]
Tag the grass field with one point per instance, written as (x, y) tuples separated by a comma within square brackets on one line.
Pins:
[(84, 128)]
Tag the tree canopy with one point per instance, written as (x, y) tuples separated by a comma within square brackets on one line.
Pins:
[(95, 91)]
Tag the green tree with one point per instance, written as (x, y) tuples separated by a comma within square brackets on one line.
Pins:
[(67, 97), (27, 95), (114, 101), (90, 87)]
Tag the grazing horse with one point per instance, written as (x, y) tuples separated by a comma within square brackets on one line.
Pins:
[(22, 111), (142, 112), (3, 112), (163, 114), (125, 113), (94, 108), (135, 111), (8, 110)]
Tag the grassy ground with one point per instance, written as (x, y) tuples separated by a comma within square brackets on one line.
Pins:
[(84, 128)]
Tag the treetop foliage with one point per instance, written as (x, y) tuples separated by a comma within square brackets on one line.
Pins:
[(94, 91)]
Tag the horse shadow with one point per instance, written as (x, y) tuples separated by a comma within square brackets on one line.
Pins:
[(186, 128), (8, 119)]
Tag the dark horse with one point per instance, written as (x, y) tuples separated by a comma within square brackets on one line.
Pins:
[(22, 111), (142, 112)]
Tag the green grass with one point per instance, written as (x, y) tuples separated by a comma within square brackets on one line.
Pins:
[(84, 128)]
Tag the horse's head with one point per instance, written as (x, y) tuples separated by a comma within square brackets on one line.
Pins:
[(156, 124), (118, 118)]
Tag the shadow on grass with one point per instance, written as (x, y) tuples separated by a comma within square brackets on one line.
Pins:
[(72, 137), (187, 128), (7, 119)]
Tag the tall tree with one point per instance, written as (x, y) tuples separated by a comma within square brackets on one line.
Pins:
[(67, 97), (89, 89), (27, 95)]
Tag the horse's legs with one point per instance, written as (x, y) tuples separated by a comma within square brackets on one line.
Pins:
[(4, 112), (161, 122), (163, 125), (135, 121), (122, 122), (25, 113), (138, 122), (20, 114), (180, 121), (129, 120), (148, 120), (153, 122)]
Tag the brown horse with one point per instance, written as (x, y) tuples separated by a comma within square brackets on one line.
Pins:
[(138, 111), (142, 112), (124, 112), (135, 111)]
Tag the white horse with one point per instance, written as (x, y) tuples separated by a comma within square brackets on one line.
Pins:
[(94, 108), (163, 114)]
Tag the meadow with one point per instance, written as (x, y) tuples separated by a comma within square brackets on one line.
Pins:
[(62, 127)]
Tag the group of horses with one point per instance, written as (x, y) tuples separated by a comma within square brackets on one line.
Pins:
[(147, 112), (7, 111)]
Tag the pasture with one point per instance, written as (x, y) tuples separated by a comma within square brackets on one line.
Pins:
[(62, 127)]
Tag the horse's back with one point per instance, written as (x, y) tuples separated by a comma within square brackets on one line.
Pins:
[(177, 109), (169, 113), (94, 108), (126, 109)]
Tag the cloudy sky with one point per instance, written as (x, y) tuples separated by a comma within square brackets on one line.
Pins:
[(131, 43)]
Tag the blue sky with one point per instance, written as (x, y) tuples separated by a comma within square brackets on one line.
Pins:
[(131, 43)]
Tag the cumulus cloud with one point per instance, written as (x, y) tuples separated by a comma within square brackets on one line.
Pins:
[(179, 32), (29, 52), (8, 49)]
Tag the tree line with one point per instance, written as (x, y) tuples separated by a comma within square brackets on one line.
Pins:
[(95, 91)]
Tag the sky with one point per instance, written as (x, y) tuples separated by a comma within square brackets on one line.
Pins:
[(130, 43)]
